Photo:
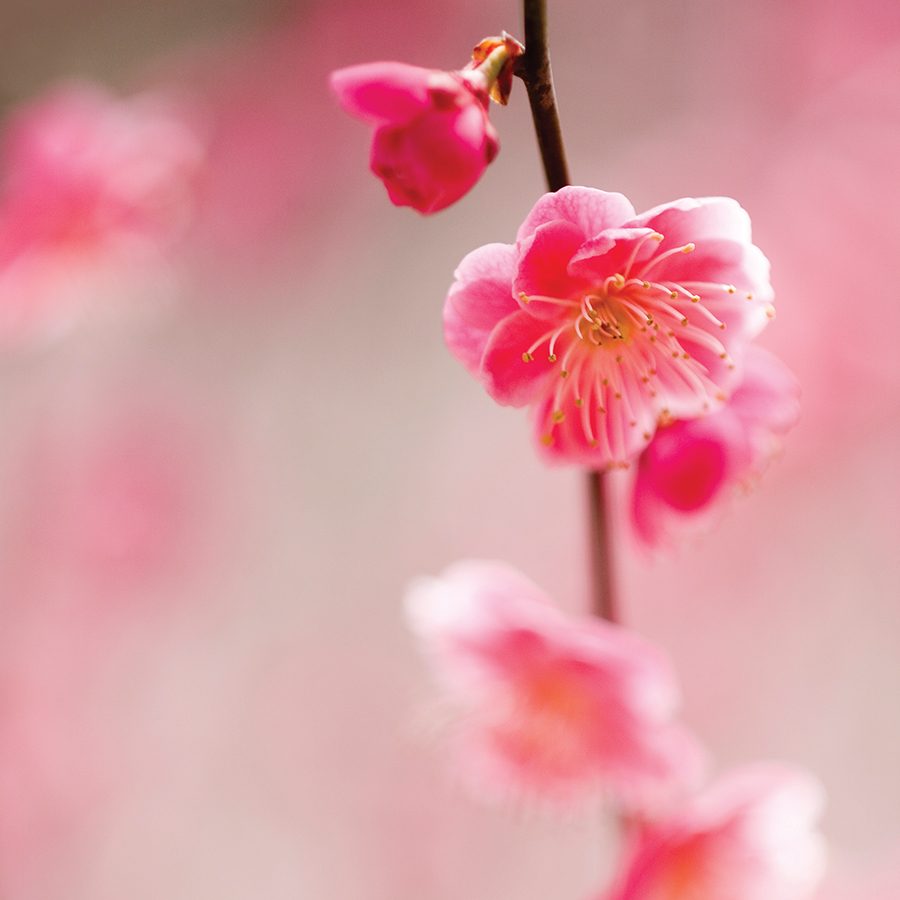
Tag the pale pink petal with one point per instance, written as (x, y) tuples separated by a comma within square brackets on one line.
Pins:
[(768, 394), (692, 220), (750, 836), (590, 210), (479, 299)]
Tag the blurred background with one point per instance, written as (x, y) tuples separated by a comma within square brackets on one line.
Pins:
[(231, 434)]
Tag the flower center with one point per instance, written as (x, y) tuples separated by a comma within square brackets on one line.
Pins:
[(605, 323)]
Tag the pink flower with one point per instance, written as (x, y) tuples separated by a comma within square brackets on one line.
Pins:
[(93, 185), (692, 463), (751, 836), (433, 139), (549, 704), (604, 322)]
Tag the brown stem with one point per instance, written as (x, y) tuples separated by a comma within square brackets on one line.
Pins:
[(533, 67)]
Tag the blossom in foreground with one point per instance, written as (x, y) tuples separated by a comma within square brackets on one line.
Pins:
[(750, 836), (433, 139), (606, 322), (691, 464), (93, 185), (549, 705)]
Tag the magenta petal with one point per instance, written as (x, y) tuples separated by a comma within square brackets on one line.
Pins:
[(612, 252), (543, 265), (480, 297), (382, 91), (590, 210), (507, 377)]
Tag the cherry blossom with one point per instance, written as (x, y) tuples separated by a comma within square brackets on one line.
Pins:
[(607, 323)]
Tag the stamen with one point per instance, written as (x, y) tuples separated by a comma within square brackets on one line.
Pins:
[(686, 248), (539, 298), (653, 236)]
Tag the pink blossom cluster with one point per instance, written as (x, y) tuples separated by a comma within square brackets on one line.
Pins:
[(629, 337), (626, 334), (568, 707)]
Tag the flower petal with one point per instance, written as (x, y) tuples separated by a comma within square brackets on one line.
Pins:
[(690, 219), (507, 377), (381, 92), (615, 251), (478, 300), (543, 266), (589, 209)]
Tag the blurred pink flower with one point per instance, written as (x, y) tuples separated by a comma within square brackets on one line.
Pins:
[(111, 503), (605, 322), (750, 836), (433, 139), (692, 463), (92, 183), (551, 705)]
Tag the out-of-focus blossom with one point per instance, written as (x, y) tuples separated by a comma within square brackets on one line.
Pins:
[(692, 463), (550, 705), (605, 322), (112, 504), (433, 139), (750, 836), (94, 187)]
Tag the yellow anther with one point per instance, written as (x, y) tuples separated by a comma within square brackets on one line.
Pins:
[(527, 357), (688, 248), (558, 415)]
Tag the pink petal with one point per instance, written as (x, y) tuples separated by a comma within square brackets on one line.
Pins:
[(382, 92), (543, 265), (590, 210), (479, 298), (506, 376), (611, 252), (694, 220), (768, 394)]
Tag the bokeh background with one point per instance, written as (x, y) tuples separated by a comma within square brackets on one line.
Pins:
[(212, 497)]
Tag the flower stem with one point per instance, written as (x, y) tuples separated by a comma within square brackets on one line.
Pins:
[(533, 67)]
